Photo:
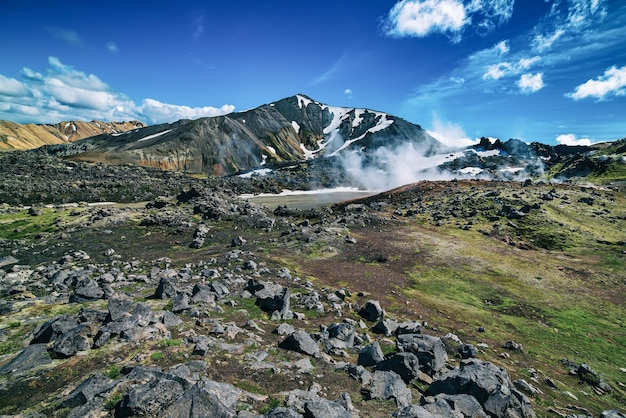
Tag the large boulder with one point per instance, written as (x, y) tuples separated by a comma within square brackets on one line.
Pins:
[(34, 355), (301, 342), (370, 355), (340, 336), (323, 408), (87, 290), (79, 338), (389, 385), (372, 311), (150, 398), (430, 351), (85, 392), (203, 400), (489, 384), (404, 364)]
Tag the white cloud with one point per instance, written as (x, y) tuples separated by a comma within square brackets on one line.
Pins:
[(423, 17), (67, 35), (542, 43), (156, 112), (502, 47), (420, 18), (348, 91), (571, 139), (64, 93), (449, 134), (112, 47), (612, 83), (497, 71), (526, 63), (12, 87), (502, 69), (531, 83)]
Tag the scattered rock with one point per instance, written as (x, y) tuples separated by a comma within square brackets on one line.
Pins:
[(33, 356), (406, 365), (301, 342), (389, 385), (372, 311), (489, 384), (370, 355)]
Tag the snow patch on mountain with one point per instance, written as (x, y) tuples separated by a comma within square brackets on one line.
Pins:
[(295, 125), (303, 101), (381, 124), (154, 135)]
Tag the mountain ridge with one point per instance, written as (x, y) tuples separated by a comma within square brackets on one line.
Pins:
[(15, 136), (292, 129)]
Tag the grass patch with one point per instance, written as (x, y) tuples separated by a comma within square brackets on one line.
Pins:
[(170, 342), (156, 356), (9, 347), (113, 372), (113, 401)]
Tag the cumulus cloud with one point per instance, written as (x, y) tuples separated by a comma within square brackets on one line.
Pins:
[(612, 83), (67, 35), (571, 139), (12, 87), (420, 18), (449, 133), (112, 47), (156, 112), (64, 93), (530, 83)]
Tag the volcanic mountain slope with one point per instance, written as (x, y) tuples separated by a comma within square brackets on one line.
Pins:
[(292, 129), (14, 136)]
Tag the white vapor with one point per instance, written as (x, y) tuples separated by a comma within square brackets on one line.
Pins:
[(64, 93), (449, 134), (571, 139), (386, 168)]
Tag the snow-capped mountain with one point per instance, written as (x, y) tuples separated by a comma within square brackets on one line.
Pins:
[(293, 129), (368, 148)]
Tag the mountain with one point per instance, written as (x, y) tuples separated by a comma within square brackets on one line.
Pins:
[(14, 136), (293, 129)]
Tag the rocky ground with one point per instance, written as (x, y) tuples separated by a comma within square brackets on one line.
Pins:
[(480, 299)]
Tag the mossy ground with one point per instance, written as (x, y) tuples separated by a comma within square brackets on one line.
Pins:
[(554, 280)]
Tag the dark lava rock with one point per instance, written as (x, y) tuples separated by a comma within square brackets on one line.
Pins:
[(301, 342), (430, 351), (489, 384), (372, 311), (404, 364), (370, 355), (88, 389), (30, 357), (388, 385)]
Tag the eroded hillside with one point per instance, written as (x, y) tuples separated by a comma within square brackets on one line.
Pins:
[(15, 136)]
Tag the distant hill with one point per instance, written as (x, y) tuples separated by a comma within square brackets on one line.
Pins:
[(15, 136)]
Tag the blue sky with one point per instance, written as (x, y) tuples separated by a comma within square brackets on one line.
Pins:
[(537, 70)]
